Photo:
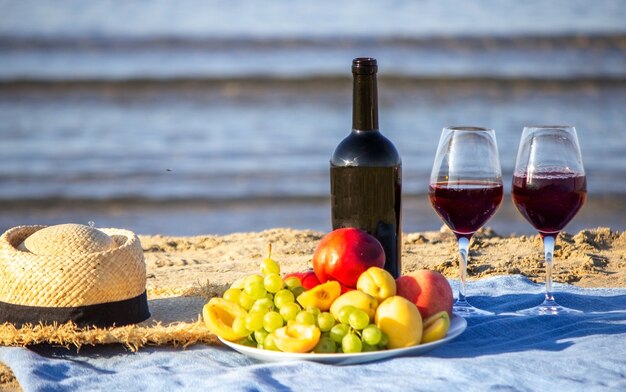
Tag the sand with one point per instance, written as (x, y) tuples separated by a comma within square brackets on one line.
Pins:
[(590, 258), (195, 268)]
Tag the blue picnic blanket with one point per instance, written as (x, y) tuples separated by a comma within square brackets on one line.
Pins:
[(500, 353)]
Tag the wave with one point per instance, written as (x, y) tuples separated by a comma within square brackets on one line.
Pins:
[(313, 82), (491, 42), (207, 61), (608, 200), (173, 202)]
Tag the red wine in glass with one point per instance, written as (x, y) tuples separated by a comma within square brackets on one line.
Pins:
[(549, 188), (465, 190), (549, 200), (465, 206)]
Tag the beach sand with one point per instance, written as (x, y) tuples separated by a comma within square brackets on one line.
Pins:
[(183, 266), (590, 258)]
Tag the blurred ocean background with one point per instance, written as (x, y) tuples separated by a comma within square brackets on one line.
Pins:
[(201, 117)]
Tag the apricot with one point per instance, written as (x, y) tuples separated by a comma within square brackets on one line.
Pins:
[(296, 337), (377, 282), (320, 296), (219, 315), (436, 327)]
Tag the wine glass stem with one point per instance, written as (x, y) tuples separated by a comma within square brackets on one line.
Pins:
[(463, 249), (548, 248)]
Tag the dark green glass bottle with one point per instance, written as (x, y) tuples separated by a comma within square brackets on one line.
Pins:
[(366, 172)]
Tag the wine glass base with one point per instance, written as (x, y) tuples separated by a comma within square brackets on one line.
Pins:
[(465, 310), (548, 308)]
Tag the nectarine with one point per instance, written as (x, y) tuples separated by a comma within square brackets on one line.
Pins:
[(344, 254)]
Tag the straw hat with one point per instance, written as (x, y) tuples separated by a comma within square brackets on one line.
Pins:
[(70, 272)]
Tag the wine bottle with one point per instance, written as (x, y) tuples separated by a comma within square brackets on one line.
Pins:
[(366, 172)]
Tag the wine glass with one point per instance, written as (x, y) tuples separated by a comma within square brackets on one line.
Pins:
[(466, 190), (549, 187)]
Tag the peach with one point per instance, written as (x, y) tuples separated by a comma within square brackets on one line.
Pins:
[(428, 290)]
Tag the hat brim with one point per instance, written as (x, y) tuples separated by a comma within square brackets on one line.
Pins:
[(129, 311), (174, 321)]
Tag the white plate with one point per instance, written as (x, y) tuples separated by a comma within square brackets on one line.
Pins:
[(457, 326)]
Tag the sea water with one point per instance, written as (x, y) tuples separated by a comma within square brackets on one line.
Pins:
[(219, 116)]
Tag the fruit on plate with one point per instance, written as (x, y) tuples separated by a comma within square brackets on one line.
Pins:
[(275, 312), (400, 320), (296, 337), (269, 265), (356, 298), (428, 290), (320, 296), (378, 283), (308, 279), (436, 327), (344, 254), (219, 315), (238, 284), (355, 325)]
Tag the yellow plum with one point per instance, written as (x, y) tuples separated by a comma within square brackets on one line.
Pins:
[(400, 320), (356, 298)]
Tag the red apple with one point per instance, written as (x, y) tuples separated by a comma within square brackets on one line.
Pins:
[(344, 254), (307, 278), (428, 290)]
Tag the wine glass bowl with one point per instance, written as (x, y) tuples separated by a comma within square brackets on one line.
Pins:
[(466, 190), (549, 188)]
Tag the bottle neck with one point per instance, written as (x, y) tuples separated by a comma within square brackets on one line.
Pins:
[(365, 103)]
